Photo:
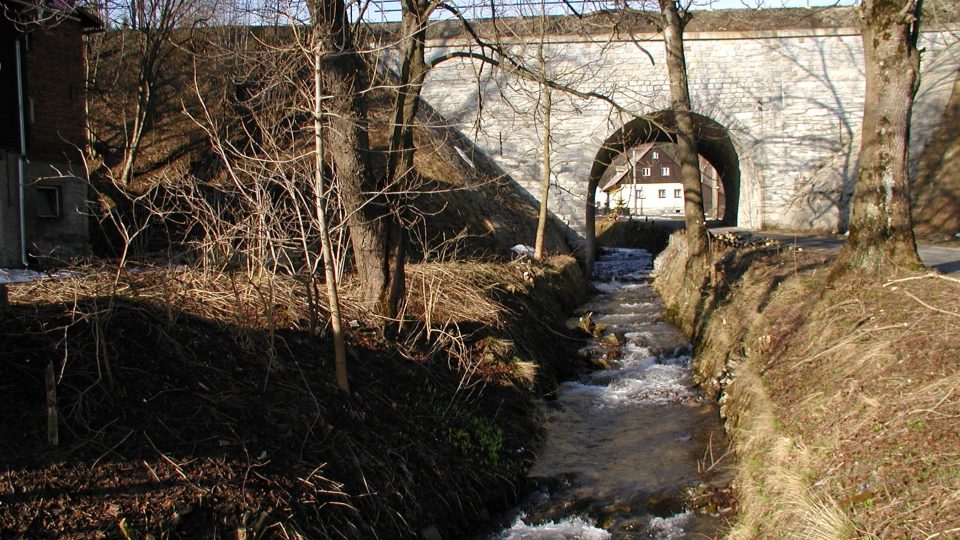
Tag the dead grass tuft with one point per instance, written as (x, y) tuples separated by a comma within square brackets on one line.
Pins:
[(441, 293), (841, 398)]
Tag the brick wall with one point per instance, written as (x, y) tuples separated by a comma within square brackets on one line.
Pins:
[(9, 125), (55, 87)]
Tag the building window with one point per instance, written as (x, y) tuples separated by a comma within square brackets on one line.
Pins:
[(645, 171), (48, 202), (655, 155), (639, 192), (677, 194), (662, 193), (664, 171)]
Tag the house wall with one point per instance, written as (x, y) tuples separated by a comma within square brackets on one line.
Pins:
[(52, 67), (9, 211), (650, 204), (54, 74), (656, 165), (50, 237), (9, 130)]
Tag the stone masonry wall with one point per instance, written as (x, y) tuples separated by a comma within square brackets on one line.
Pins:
[(792, 101)]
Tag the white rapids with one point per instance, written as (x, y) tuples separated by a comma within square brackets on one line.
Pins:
[(623, 443)]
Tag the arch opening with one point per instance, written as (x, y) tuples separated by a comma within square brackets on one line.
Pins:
[(714, 145)]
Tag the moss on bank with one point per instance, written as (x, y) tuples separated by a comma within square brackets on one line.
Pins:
[(839, 395), (194, 406)]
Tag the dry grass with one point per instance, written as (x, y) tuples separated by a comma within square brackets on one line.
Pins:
[(442, 293), (456, 305), (446, 302), (841, 397), (885, 364), (776, 498), (213, 371)]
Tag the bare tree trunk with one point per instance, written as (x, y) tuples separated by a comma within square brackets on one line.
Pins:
[(545, 185), (140, 116), (686, 147), (373, 228), (330, 275), (413, 71), (155, 27), (547, 108), (881, 231), (152, 43)]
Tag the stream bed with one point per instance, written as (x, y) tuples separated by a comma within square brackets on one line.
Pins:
[(624, 444)]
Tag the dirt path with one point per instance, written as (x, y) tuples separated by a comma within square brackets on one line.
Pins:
[(943, 258)]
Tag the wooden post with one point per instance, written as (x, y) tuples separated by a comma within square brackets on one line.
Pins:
[(53, 423), (3, 300)]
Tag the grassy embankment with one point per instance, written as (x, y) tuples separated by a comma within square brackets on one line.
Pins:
[(195, 406), (842, 396)]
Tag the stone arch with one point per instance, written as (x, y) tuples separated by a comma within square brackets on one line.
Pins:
[(714, 143)]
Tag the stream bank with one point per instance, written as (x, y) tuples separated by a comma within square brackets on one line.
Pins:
[(199, 407), (838, 395)]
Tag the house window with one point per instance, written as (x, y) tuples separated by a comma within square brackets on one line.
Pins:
[(662, 193), (640, 193), (655, 155), (677, 194), (48, 202), (645, 171), (664, 171)]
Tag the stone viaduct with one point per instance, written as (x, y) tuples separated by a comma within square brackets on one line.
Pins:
[(778, 96)]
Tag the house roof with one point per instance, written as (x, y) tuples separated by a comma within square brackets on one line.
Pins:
[(641, 152)]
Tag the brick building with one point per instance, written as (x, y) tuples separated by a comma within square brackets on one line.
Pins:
[(43, 192)]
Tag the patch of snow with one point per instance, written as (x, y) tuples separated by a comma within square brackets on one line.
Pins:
[(521, 249), (22, 275), (464, 157)]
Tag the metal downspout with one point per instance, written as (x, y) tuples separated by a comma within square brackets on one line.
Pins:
[(21, 160)]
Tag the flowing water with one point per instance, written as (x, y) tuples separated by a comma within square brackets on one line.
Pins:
[(623, 444)]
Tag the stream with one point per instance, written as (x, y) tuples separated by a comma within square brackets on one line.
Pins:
[(624, 444)]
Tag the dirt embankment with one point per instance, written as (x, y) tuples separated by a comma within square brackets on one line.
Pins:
[(194, 406), (936, 187), (841, 396)]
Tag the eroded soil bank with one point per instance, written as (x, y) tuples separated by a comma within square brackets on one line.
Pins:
[(193, 406), (840, 395)]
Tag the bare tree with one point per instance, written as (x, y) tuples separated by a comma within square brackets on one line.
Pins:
[(150, 30), (546, 106), (673, 23), (881, 230), (400, 171), (546, 109), (319, 196), (375, 231)]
